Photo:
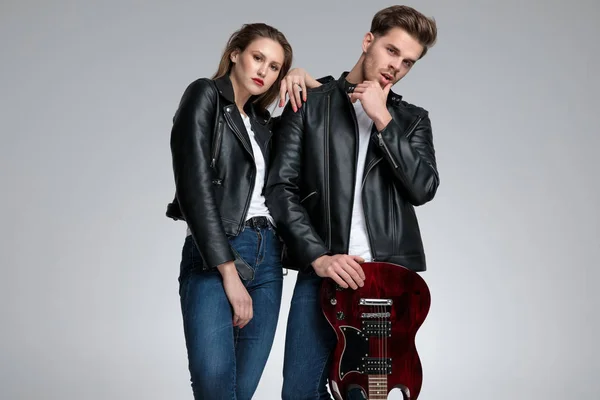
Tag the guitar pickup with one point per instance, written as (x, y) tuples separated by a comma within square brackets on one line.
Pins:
[(377, 328), (376, 366), (375, 302)]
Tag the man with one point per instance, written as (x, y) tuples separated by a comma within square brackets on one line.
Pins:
[(348, 169)]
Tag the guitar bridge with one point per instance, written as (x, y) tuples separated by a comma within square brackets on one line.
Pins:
[(366, 315)]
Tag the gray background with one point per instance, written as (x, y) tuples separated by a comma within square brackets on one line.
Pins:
[(89, 304)]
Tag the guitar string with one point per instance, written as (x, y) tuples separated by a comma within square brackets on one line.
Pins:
[(380, 341), (379, 348), (382, 355), (381, 308), (385, 335), (383, 363), (383, 360), (383, 345)]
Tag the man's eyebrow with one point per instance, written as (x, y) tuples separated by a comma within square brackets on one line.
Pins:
[(398, 50)]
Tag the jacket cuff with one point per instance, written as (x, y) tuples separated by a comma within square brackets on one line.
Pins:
[(312, 255)]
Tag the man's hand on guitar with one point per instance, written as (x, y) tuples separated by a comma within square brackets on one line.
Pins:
[(344, 269)]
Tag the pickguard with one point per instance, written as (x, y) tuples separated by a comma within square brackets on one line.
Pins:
[(356, 349)]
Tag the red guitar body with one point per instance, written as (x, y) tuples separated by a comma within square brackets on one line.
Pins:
[(376, 327)]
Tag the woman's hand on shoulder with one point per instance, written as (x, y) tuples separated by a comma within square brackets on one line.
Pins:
[(296, 81)]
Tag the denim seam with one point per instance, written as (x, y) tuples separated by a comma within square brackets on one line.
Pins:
[(236, 334), (234, 386), (321, 377), (260, 256)]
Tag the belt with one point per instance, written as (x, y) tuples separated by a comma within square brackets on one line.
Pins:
[(258, 222)]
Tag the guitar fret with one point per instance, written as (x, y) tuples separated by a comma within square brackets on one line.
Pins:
[(377, 387)]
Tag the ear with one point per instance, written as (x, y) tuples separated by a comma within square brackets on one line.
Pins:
[(234, 56), (367, 41)]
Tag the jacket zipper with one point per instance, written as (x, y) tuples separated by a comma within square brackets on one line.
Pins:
[(236, 130), (387, 150), (216, 145), (393, 220), (369, 168), (369, 235), (308, 196), (252, 182), (365, 205), (413, 126), (356, 147), (327, 189), (252, 178)]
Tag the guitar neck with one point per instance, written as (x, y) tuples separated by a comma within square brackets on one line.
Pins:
[(378, 387)]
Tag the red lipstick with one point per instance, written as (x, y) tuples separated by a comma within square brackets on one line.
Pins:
[(258, 81)]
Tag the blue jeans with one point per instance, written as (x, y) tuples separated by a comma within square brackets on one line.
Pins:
[(227, 362), (309, 345)]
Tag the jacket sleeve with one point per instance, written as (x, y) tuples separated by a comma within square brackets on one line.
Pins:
[(190, 149), (411, 155), (282, 191)]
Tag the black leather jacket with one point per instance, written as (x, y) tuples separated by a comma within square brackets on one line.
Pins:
[(214, 165), (310, 188)]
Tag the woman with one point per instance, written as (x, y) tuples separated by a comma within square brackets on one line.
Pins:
[(231, 275)]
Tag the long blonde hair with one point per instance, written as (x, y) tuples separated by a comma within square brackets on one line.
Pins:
[(240, 39)]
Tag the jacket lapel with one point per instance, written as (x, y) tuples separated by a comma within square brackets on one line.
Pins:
[(234, 119), (236, 124), (232, 114)]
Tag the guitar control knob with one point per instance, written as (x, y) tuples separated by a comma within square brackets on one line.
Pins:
[(340, 315), (333, 301)]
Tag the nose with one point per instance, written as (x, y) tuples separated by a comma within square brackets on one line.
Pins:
[(262, 71), (395, 64)]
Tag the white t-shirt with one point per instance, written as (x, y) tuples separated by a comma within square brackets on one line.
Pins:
[(257, 203), (359, 239)]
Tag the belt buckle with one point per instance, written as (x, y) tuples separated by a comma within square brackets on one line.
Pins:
[(259, 222), (262, 222)]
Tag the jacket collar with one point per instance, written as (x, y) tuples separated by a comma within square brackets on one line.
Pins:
[(225, 88), (258, 120), (348, 87)]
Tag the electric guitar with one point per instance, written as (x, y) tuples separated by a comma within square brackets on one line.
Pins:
[(376, 327)]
